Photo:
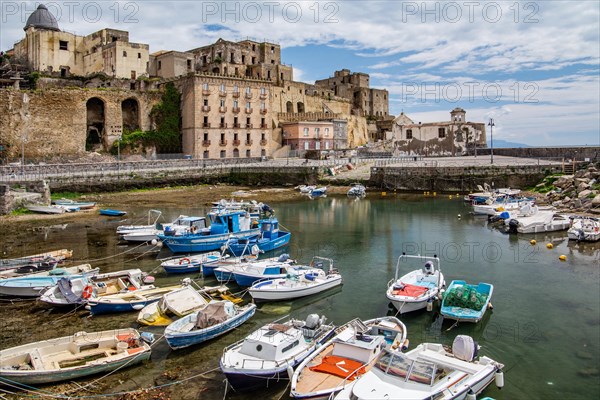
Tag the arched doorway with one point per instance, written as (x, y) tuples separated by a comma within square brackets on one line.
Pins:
[(289, 107), (131, 115), (94, 125), (236, 153), (300, 107)]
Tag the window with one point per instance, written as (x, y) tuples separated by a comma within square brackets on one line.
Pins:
[(235, 104), (317, 145), (306, 146), (124, 54), (262, 136), (326, 145), (203, 60), (159, 64), (204, 85), (205, 120), (290, 346), (139, 55), (248, 90), (409, 134), (253, 60), (236, 89), (248, 154), (205, 102), (326, 132), (223, 153), (189, 64), (305, 132), (263, 90), (235, 136), (243, 59), (205, 155), (253, 47), (272, 49), (262, 105), (63, 45), (222, 103), (231, 59), (205, 138), (317, 132), (248, 137), (248, 105), (222, 137), (441, 132), (222, 88)]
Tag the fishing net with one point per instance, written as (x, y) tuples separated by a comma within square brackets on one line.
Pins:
[(465, 296)]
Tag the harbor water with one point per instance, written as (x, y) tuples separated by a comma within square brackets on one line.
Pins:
[(544, 326)]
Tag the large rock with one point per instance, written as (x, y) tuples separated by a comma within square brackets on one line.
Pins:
[(562, 181), (584, 194), (582, 186), (596, 201)]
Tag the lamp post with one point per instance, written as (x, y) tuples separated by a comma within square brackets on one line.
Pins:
[(491, 125)]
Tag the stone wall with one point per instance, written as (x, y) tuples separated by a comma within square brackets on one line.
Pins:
[(54, 121), (572, 153)]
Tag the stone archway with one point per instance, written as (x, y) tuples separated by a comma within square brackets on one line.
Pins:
[(289, 107), (130, 111), (300, 107), (95, 132)]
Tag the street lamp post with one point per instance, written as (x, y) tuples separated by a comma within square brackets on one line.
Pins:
[(491, 125)]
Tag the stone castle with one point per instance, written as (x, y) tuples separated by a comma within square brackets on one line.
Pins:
[(236, 97)]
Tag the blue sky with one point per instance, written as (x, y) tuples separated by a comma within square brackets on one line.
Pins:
[(532, 66)]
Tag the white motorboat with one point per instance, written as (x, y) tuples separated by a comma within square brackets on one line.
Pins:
[(541, 221), (70, 291), (308, 282), (52, 209), (127, 301), (153, 216), (34, 285), (492, 207), (584, 229), (182, 224), (56, 271), (357, 191), (344, 358), (306, 188), (72, 357), (418, 288), (427, 372), (267, 354)]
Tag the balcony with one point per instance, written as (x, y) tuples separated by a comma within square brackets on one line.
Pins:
[(248, 126), (223, 125), (249, 110), (263, 96), (223, 143), (236, 142), (263, 110), (263, 126), (236, 110), (206, 108), (236, 95), (263, 142), (205, 92), (206, 143), (236, 126), (222, 109), (248, 142), (248, 95), (206, 125), (222, 93)]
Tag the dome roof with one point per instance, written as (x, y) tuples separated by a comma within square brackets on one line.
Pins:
[(42, 19)]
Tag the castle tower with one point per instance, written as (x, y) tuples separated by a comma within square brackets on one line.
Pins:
[(458, 115)]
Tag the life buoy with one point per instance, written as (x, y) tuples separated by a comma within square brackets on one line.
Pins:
[(87, 292), (184, 260), (194, 229)]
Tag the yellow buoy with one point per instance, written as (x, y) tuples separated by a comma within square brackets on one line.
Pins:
[(549, 246), (532, 242), (562, 257), (383, 193)]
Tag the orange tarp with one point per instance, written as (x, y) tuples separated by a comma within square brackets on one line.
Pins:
[(340, 366), (410, 290)]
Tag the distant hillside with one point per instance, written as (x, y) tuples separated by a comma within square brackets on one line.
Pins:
[(501, 144)]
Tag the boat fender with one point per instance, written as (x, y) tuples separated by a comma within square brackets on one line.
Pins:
[(499, 377), (405, 345), (471, 395), (184, 260), (429, 305), (186, 282), (87, 292), (147, 337), (290, 371)]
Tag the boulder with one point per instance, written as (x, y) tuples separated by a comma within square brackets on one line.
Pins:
[(563, 180), (596, 201), (584, 194), (582, 186)]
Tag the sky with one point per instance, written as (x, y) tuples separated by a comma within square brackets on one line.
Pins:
[(531, 66)]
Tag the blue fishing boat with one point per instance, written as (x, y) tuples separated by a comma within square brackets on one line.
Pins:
[(129, 301), (215, 319), (270, 238), (33, 286), (465, 302), (224, 225), (190, 264), (245, 273), (112, 213), (318, 192)]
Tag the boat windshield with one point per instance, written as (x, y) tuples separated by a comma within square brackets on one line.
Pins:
[(400, 366)]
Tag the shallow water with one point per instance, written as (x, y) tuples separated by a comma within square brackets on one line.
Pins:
[(545, 325)]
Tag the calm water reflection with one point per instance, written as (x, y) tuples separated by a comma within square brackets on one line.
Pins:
[(544, 326)]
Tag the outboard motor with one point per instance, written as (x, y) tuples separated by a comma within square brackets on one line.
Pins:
[(312, 321), (512, 225), (465, 348)]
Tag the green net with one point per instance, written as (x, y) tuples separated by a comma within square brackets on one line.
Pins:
[(465, 297)]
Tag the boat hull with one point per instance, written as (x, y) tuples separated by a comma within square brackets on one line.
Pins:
[(293, 293), (198, 243), (463, 314), (185, 339), (283, 239)]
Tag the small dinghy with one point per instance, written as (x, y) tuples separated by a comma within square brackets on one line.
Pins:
[(428, 372), (246, 273), (467, 303), (307, 282), (318, 192), (72, 357), (178, 303), (266, 355), (74, 291), (55, 255), (357, 191), (418, 288), (190, 264), (348, 355), (82, 205), (34, 285), (214, 319), (126, 302), (584, 229), (112, 213)]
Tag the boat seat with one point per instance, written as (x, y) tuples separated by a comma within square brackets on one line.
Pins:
[(36, 360)]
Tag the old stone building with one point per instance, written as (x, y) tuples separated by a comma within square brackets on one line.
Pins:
[(225, 117), (170, 64), (454, 137), (48, 49), (355, 87), (302, 136)]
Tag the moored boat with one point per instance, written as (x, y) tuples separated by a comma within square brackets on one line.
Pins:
[(429, 371), (318, 192), (35, 285), (267, 354), (584, 229), (345, 357), (190, 264), (466, 303), (213, 320), (357, 191), (305, 283), (82, 205), (55, 255), (269, 239), (246, 272), (48, 209), (541, 221), (72, 357), (126, 302), (112, 212), (416, 289)]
